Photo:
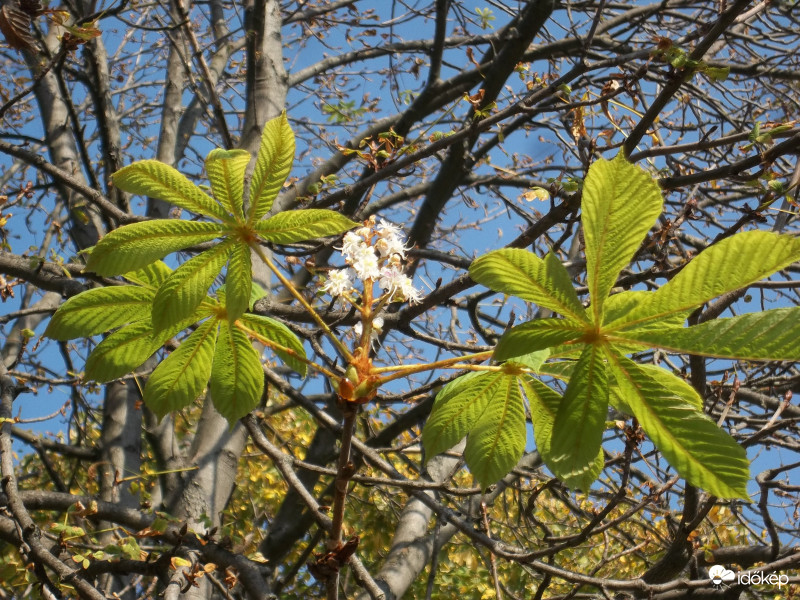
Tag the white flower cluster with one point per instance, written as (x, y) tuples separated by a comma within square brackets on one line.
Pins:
[(374, 254)]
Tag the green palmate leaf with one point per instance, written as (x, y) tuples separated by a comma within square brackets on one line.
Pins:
[(675, 384), (769, 335), (237, 378), (536, 335), (567, 352), (302, 225), (256, 293), (621, 203), (521, 273), (497, 440), (278, 333), (182, 376), (699, 451), (544, 403), (225, 169), (98, 310), (137, 245), (238, 282), (158, 180), (561, 369), (580, 421), (122, 351), (150, 276), (531, 360), (187, 287), (457, 408), (273, 164), (618, 306), (680, 387), (733, 263)]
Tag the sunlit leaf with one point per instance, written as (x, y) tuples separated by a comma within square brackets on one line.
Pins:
[(122, 351), (237, 378), (225, 170), (717, 73), (150, 276), (457, 407), (536, 335), (768, 335), (680, 388), (699, 451), (496, 440), (137, 245), (158, 180), (303, 225), (618, 306), (256, 293), (620, 204), (730, 264), (238, 282), (580, 421), (98, 310), (521, 273), (183, 375), (531, 360), (273, 163), (271, 330), (188, 285), (561, 369), (544, 403)]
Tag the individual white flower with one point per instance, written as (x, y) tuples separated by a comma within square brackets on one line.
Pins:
[(391, 241), (387, 230), (392, 279), (391, 247), (399, 285), (338, 283), (351, 244), (410, 293), (377, 328), (365, 263)]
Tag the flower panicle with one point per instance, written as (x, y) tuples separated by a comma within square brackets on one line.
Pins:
[(373, 254)]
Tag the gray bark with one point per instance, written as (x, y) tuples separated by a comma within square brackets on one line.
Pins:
[(121, 445), (412, 547), (85, 224), (414, 543)]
